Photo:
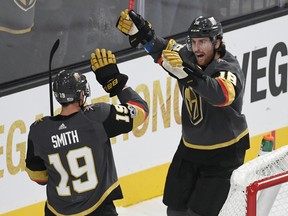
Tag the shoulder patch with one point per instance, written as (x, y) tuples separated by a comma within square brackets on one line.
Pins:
[(132, 110)]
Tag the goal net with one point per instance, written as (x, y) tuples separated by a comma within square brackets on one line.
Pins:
[(259, 187)]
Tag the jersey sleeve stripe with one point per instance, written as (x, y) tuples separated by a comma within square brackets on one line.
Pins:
[(228, 91), (37, 176)]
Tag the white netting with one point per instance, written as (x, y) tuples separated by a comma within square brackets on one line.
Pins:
[(264, 166), (280, 206)]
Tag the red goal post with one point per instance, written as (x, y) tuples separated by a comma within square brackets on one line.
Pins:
[(254, 188), (260, 187)]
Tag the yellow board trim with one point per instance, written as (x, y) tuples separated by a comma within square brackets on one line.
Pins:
[(143, 185), (35, 209), (281, 139), (149, 183), (136, 187)]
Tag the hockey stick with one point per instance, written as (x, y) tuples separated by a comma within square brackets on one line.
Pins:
[(52, 52), (131, 5), (140, 9)]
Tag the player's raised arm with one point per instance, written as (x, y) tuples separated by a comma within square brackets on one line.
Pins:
[(133, 108), (140, 31), (132, 24)]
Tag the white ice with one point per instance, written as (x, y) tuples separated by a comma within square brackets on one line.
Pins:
[(152, 207)]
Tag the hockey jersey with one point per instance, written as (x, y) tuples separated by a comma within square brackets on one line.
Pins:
[(73, 156), (211, 115)]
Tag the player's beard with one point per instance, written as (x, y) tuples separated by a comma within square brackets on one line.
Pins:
[(204, 58)]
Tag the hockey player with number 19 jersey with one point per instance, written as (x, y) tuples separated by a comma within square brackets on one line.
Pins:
[(71, 152)]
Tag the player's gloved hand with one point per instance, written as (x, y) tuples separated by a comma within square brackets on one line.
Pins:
[(172, 45), (125, 24), (103, 63), (173, 64), (184, 72), (132, 24)]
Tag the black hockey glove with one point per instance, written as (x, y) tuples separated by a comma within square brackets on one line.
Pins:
[(103, 63), (194, 69), (132, 24)]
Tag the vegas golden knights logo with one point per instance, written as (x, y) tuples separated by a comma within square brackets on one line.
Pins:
[(25, 4), (194, 106)]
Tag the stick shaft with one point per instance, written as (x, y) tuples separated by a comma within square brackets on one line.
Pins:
[(131, 5), (52, 52)]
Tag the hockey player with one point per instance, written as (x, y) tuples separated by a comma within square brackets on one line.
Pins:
[(71, 152), (214, 135)]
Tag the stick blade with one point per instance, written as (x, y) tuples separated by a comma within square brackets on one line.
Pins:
[(54, 48)]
